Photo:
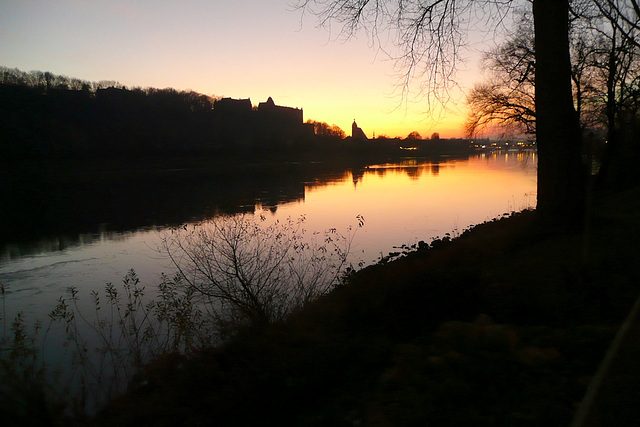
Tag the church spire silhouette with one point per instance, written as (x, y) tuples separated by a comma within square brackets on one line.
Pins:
[(356, 132)]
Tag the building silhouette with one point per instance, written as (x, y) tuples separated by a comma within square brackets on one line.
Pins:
[(357, 133), (269, 124), (270, 111)]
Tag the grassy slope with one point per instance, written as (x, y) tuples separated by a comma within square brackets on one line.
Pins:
[(504, 325)]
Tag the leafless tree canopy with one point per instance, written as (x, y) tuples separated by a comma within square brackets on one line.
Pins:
[(624, 15), (429, 35), (604, 73), (508, 98)]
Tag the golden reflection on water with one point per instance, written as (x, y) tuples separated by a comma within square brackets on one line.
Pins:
[(401, 204), (417, 200)]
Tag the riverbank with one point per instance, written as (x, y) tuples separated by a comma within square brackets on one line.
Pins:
[(505, 325)]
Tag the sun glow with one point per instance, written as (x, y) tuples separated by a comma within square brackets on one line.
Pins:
[(216, 48)]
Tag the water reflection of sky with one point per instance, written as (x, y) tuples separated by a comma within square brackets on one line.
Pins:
[(401, 203)]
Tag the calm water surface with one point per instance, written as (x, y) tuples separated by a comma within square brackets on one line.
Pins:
[(402, 203)]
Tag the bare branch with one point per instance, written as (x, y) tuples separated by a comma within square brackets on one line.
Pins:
[(622, 17), (253, 272), (429, 35)]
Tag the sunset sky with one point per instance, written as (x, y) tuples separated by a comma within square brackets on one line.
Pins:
[(240, 49)]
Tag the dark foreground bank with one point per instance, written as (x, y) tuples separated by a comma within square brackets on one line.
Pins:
[(506, 325)]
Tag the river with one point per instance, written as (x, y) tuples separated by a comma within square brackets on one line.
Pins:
[(86, 234), (401, 203)]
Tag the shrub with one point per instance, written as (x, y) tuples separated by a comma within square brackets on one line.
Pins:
[(230, 272), (246, 271)]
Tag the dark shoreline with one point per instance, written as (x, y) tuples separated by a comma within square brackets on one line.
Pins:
[(505, 325)]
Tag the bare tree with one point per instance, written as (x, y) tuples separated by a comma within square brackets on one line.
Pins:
[(616, 28), (324, 129), (248, 272), (430, 34), (508, 98)]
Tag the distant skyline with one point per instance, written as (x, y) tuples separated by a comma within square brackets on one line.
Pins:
[(240, 49)]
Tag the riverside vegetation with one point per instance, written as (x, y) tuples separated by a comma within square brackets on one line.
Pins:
[(503, 325), (231, 272)]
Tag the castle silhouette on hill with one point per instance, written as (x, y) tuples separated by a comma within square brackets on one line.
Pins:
[(243, 124), (48, 116)]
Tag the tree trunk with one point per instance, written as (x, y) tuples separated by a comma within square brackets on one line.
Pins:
[(561, 173)]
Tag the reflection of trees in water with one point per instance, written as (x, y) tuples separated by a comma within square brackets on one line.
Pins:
[(54, 208), (60, 242), (414, 172), (413, 168), (328, 178)]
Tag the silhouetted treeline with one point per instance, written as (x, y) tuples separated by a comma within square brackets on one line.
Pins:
[(45, 116), (47, 80), (49, 116)]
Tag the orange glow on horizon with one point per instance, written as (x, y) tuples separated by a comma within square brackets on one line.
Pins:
[(215, 48), (390, 124)]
